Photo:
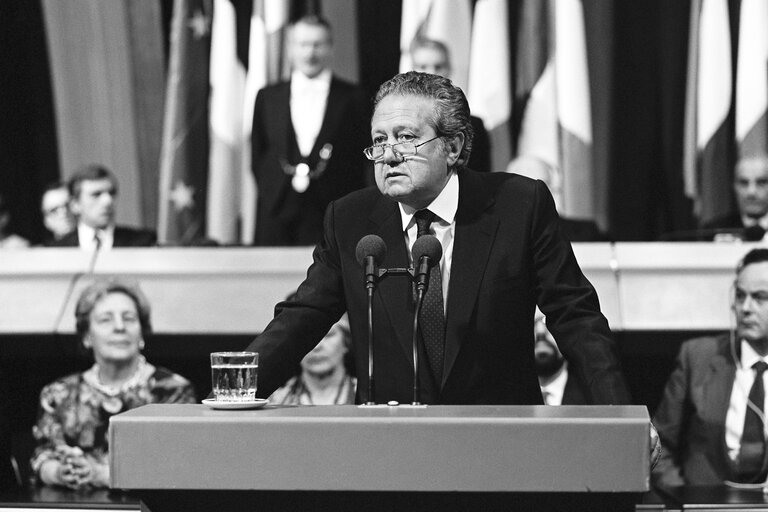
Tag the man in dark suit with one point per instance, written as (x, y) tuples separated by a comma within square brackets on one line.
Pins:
[(93, 192), (503, 252), (558, 385), (750, 187), (307, 142), (575, 230), (708, 400)]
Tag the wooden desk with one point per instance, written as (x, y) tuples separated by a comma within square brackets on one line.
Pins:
[(642, 286)]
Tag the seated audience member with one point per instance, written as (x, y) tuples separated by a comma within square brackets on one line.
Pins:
[(750, 186), (576, 230), (431, 56), (9, 240), (710, 418), (94, 198), (558, 387), (323, 379), (57, 217), (112, 320)]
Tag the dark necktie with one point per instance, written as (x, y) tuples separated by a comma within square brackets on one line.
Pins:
[(432, 317), (752, 453)]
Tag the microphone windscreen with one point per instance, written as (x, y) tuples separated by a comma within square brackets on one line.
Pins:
[(370, 245), (427, 245)]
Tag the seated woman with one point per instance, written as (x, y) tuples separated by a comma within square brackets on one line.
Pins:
[(323, 379), (71, 432)]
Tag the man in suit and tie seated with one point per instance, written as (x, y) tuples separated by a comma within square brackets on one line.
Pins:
[(307, 142), (502, 254), (750, 186), (576, 230), (711, 416), (558, 385), (93, 192)]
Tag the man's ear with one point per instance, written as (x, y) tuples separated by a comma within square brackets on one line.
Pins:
[(453, 149)]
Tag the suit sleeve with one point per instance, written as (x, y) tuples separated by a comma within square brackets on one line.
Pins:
[(572, 308), (669, 419), (300, 324)]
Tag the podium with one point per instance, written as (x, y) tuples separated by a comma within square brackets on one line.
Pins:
[(382, 457)]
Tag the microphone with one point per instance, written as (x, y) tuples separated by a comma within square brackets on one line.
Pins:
[(370, 253), (426, 252)]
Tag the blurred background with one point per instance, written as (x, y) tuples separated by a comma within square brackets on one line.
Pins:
[(643, 122)]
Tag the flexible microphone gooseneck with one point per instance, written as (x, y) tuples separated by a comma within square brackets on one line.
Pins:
[(426, 253), (71, 287), (370, 252)]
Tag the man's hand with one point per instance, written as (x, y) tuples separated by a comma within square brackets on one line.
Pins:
[(655, 446)]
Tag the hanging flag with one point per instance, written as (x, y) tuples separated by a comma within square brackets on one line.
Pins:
[(489, 79), (184, 151), (708, 138), (574, 111), (752, 79), (535, 101), (247, 53), (447, 21), (552, 102), (227, 78)]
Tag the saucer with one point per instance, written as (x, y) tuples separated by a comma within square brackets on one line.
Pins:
[(247, 404)]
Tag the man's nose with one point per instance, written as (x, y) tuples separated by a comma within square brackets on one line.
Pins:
[(391, 157)]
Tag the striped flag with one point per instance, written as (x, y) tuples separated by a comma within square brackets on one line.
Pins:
[(489, 78), (246, 56), (752, 79), (447, 21), (554, 105), (184, 151), (574, 110), (708, 139)]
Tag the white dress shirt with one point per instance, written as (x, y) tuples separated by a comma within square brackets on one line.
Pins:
[(737, 409), (87, 237), (554, 390), (309, 98), (444, 207)]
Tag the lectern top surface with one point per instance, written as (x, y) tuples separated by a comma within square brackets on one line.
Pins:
[(351, 413)]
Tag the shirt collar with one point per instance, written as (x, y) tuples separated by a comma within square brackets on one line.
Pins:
[(751, 221), (444, 205), (749, 356), (300, 81), (86, 233)]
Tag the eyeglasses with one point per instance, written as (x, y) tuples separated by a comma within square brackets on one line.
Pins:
[(400, 149)]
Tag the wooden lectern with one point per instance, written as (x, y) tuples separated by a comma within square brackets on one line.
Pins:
[(189, 457)]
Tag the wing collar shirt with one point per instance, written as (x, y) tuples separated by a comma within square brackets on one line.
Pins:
[(309, 98), (444, 207), (737, 408), (87, 237)]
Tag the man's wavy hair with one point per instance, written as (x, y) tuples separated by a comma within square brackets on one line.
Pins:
[(451, 114)]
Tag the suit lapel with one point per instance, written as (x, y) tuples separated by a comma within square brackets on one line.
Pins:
[(717, 393), (331, 118), (284, 124), (473, 239)]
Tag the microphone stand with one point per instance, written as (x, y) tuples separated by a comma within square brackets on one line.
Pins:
[(371, 388), (416, 392), (410, 272)]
